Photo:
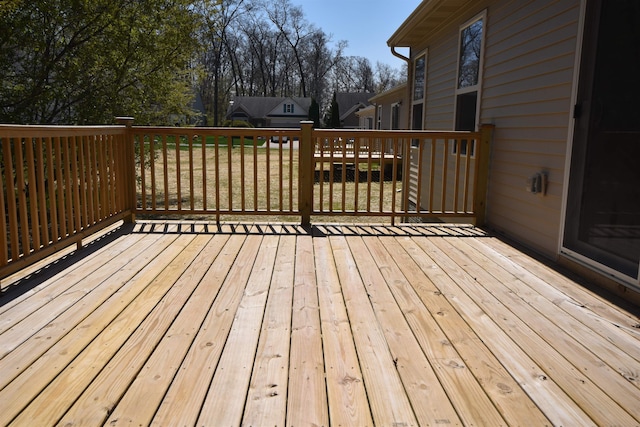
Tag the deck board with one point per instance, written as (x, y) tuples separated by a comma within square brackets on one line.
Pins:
[(307, 398), (191, 323)]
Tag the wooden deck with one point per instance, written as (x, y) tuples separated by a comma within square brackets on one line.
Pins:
[(269, 325)]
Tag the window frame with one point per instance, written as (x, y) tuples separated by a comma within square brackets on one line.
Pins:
[(394, 116), (466, 90), (414, 102)]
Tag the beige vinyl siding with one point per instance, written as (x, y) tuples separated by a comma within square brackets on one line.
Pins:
[(441, 80), (526, 92)]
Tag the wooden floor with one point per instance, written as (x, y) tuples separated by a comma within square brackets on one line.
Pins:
[(175, 324)]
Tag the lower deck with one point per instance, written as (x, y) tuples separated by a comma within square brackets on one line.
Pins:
[(190, 323)]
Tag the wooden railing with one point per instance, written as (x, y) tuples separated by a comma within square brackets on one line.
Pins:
[(216, 171), (61, 183), (307, 172)]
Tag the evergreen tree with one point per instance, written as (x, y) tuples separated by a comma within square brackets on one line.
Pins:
[(314, 113), (333, 121)]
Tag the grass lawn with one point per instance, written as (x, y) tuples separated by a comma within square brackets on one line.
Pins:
[(254, 178)]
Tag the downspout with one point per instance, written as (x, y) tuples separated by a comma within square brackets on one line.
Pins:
[(409, 79), (399, 55), (406, 154)]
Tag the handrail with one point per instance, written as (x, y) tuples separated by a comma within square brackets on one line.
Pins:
[(60, 183)]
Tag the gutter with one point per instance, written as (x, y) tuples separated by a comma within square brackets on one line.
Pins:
[(399, 55)]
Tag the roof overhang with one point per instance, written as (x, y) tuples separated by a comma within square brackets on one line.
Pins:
[(395, 91), (429, 17)]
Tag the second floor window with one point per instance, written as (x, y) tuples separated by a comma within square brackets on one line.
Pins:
[(288, 108), (469, 77), (470, 54)]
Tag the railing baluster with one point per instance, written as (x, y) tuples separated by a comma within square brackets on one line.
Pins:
[(192, 195), (320, 143), (445, 172), (22, 197), (382, 166), (356, 178), (254, 157), (204, 171), (217, 175), (280, 199), (112, 177), (394, 180), (230, 172), (95, 174), (7, 185), (85, 193), (421, 147), (152, 170), (467, 174), (13, 205), (370, 172), (178, 141), (291, 180), (4, 235), (104, 183), (32, 200), (42, 193), (165, 169), (53, 212), (344, 175), (457, 174)]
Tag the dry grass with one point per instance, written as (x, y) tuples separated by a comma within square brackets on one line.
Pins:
[(251, 179)]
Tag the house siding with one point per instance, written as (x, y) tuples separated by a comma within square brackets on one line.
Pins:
[(527, 87), (526, 92), (441, 79)]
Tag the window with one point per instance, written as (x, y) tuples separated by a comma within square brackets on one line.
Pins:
[(418, 93), (418, 78), (287, 108), (395, 116), (369, 123), (469, 80), (470, 54)]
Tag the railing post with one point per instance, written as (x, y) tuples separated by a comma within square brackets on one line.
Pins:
[(482, 173), (306, 172), (129, 181)]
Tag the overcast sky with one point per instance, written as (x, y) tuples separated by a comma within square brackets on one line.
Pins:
[(365, 24)]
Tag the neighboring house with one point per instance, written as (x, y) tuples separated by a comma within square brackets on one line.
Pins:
[(275, 112), (558, 79), (366, 117), (348, 104), (392, 111)]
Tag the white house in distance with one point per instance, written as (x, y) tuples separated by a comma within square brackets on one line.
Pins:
[(366, 117), (391, 108), (558, 79)]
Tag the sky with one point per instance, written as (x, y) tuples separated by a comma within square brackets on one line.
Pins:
[(365, 24)]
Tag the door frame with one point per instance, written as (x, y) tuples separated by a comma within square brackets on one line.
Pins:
[(562, 249)]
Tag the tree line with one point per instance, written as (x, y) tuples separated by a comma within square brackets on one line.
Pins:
[(87, 61)]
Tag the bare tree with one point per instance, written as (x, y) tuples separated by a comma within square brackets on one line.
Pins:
[(354, 74), (268, 48), (386, 77)]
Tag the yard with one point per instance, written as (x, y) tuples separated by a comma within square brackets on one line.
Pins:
[(251, 177)]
